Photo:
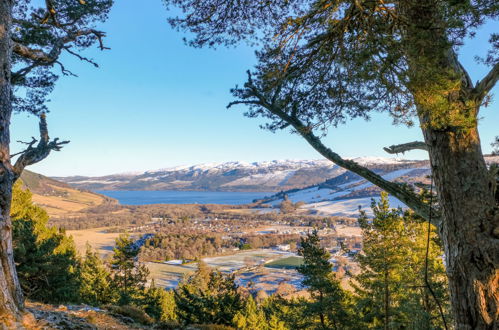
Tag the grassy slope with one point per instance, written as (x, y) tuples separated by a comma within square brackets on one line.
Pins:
[(58, 198)]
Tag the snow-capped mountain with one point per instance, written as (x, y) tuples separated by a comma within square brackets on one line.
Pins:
[(277, 175), (345, 193), (324, 187)]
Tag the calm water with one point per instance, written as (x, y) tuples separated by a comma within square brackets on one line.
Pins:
[(183, 197)]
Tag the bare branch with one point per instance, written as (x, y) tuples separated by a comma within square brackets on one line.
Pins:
[(80, 57), (65, 71), (402, 148), (488, 82), (32, 155)]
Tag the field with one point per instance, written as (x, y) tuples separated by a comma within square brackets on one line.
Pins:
[(168, 276), (98, 238), (286, 263), (58, 198), (66, 200)]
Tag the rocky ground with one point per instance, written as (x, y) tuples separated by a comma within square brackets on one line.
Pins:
[(83, 317), (78, 317)]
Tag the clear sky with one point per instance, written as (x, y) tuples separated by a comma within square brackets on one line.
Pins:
[(156, 103)]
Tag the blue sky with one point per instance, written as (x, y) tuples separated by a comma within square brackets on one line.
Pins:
[(155, 103)]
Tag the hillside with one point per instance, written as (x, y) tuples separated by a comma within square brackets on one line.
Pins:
[(232, 176), (60, 199), (342, 195)]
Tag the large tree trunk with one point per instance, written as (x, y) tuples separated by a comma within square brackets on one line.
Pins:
[(11, 299), (470, 216), (448, 113)]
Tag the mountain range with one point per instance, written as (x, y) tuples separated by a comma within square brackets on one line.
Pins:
[(323, 187), (270, 176)]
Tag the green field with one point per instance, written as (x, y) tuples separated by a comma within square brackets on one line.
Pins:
[(286, 263)]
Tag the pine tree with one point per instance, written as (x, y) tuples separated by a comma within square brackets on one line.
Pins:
[(46, 259), (329, 302), (286, 313), (390, 289), (251, 317), (129, 277), (323, 62), (96, 288), (212, 299), (159, 303), (276, 324)]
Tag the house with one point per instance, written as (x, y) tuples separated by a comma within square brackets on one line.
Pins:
[(283, 247)]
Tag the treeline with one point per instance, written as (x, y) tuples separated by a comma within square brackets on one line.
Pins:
[(184, 246), (107, 215), (114, 215), (391, 291), (164, 247)]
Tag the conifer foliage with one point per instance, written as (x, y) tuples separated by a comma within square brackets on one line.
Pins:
[(46, 259), (208, 297), (390, 289), (250, 317), (159, 303), (129, 277), (96, 281), (329, 302)]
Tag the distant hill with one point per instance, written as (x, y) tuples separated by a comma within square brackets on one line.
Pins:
[(233, 176), (59, 198), (342, 195)]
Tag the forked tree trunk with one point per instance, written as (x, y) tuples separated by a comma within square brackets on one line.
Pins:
[(469, 227), (11, 299)]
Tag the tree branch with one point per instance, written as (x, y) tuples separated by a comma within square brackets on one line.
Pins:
[(401, 192), (33, 154), (488, 82), (402, 148), (43, 58)]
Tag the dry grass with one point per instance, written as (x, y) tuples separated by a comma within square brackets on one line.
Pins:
[(133, 312), (42, 316), (66, 201), (168, 276), (100, 240), (346, 231)]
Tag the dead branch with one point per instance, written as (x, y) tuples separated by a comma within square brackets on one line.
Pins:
[(402, 148), (33, 154)]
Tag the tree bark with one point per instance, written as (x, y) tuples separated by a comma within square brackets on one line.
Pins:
[(470, 217), (11, 298), (448, 108)]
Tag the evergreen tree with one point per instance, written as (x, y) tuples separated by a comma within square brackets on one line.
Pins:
[(286, 314), (96, 288), (329, 302), (129, 277), (276, 324), (251, 317), (46, 259), (159, 303), (212, 299), (390, 289)]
